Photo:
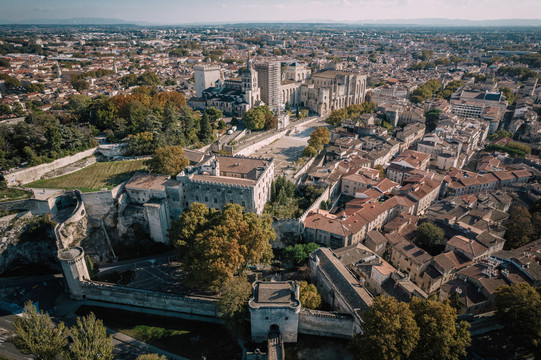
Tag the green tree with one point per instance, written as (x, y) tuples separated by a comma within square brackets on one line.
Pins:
[(254, 119), (309, 295), (509, 95), (141, 144), (35, 87), (38, 335), (10, 82), (441, 338), (297, 253), (309, 151), (128, 80), (205, 133), (233, 301), (90, 340), (214, 114), (5, 110), (168, 160), (432, 117), (80, 84), (148, 78), (390, 331), (519, 228), (518, 307), (429, 235), (337, 116), (319, 137)]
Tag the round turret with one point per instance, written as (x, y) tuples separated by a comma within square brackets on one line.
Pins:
[(74, 267)]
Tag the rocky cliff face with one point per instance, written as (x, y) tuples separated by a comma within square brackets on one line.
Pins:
[(27, 242)]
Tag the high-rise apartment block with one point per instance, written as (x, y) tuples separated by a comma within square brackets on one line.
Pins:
[(270, 76)]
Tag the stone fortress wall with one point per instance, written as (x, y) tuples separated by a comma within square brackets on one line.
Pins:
[(324, 323), (28, 175)]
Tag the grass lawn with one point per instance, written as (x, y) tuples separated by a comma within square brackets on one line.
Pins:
[(95, 177), (11, 194), (187, 338)]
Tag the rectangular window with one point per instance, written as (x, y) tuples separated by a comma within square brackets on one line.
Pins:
[(215, 200), (206, 199)]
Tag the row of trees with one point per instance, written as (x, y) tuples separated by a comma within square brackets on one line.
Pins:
[(38, 335), (512, 148), (421, 329), (434, 88), (147, 78), (42, 138), (351, 112), (164, 115)]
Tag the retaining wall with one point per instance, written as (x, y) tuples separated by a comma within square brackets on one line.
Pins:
[(247, 151), (98, 204), (35, 206), (34, 173), (323, 323), (149, 299)]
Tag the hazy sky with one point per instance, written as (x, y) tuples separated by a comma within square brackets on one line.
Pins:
[(186, 11)]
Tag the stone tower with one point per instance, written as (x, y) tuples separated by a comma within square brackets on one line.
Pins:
[(205, 76), (250, 87), (74, 267), (275, 306), (115, 69)]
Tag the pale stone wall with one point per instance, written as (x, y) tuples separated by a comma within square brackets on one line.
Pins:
[(98, 204), (35, 206), (156, 215), (247, 151), (34, 173), (323, 323), (149, 299)]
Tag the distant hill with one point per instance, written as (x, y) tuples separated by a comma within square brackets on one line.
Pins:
[(454, 22), (73, 21), (397, 22)]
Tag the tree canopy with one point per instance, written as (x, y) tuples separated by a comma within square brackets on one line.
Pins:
[(518, 307), (422, 329), (214, 245), (351, 112), (309, 295), (256, 117), (90, 340), (232, 304), (38, 335), (519, 227), (429, 235), (389, 331), (168, 160), (319, 137), (297, 253), (440, 337)]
